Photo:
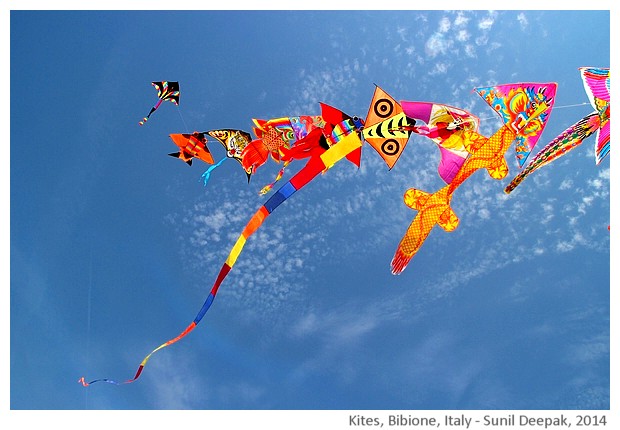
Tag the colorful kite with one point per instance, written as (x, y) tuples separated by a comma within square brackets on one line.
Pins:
[(166, 90), (343, 144), (508, 99), (523, 117), (192, 146), (274, 136), (337, 125), (234, 141), (386, 127), (442, 121), (596, 84)]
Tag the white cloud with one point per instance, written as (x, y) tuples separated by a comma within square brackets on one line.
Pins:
[(486, 23), (463, 36), (566, 184), (522, 19), (596, 183), (482, 40), (444, 24), (461, 19), (604, 174), (439, 69), (470, 51), (437, 44), (175, 386)]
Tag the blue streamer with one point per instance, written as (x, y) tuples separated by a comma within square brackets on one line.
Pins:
[(206, 175)]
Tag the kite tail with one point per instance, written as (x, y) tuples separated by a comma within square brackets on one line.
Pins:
[(516, 181), (267, 188), (153, 109), (314, 166), (400, 261), (206, 175), (194, 323), (302, 178)]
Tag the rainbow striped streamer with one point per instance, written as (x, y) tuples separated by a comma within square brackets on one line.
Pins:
[(314, 166)]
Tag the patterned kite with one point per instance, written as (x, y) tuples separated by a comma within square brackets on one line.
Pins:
[(275, 136), (166, 90), (523, 117), (596, 84), (234, 141), (343, 140), (386, 127), (441, 122), (337, 126), (192, 146), (506, 100)]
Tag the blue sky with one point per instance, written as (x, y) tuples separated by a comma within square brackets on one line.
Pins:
[(114, 245)]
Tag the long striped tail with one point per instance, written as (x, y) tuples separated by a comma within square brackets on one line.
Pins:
[(314, 166)]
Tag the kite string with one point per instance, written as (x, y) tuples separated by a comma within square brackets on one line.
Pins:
[(567, 106), (182, 119), (88, 317)]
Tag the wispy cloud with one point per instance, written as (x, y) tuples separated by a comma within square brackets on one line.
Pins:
[(523, 21)]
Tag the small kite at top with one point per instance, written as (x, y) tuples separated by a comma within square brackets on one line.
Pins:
[(166, 90)]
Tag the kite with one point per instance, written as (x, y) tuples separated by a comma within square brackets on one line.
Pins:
[(443, 121), (234, 141), (525, 109), (597, 86), (596, 83), (166, 90), (385, 127), (508, 99), (337, 126), (273, 137), (343, 144), (276, 134), (192, 146)]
